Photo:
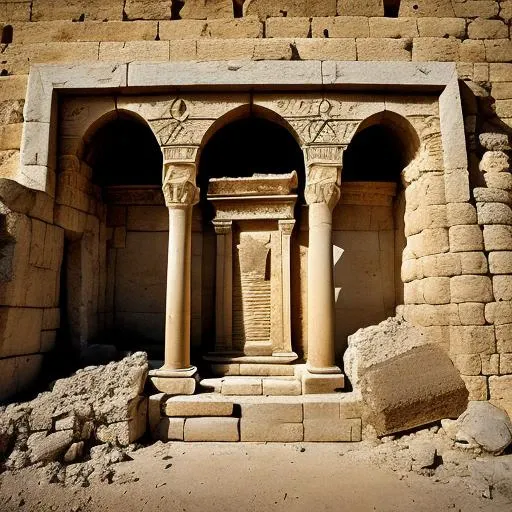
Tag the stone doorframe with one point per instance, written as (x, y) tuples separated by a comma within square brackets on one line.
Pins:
[(323, 165)]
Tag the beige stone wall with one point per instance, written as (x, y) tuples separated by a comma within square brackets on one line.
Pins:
[(456, 267)]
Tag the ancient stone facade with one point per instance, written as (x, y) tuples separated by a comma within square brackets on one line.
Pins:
[(261, 278)]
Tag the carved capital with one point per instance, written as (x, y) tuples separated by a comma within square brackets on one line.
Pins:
[(179, 185), (286, 226), (222, 227), (328, 155), (180, 154), (323, 184)]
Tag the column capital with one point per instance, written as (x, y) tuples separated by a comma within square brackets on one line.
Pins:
[(179, 184), (222, 227), (323, 174), (286, 226)]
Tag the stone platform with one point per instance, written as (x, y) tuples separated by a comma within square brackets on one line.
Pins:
[(214, 416)]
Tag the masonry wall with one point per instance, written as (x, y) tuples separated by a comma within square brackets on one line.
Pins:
[(465, 242)]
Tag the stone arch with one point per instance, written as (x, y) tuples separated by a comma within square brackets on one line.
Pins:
[(369, 222)]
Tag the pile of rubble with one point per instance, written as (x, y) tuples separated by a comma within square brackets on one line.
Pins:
[(92, 415)]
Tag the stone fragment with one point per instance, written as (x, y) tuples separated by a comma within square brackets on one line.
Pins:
[(74, 452), (484, 425), (494, 141), (51, 447), (494, 161), (415, 388), (373, 345)]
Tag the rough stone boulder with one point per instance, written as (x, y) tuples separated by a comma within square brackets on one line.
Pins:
[(484, 426), (378, 343), (412, 389), (100, 403)]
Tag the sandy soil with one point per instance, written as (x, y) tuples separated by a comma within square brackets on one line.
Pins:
[(252, 476)]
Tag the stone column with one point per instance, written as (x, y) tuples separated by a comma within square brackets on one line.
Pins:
[(322, 193), (224, 286), (180, 193), (286, 228)]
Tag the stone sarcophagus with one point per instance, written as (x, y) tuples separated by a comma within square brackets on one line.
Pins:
[(254, 219)]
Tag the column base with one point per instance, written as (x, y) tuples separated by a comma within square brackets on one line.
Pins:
[(175, 382), (321, 383)]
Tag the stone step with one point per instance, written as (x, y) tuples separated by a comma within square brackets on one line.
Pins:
[(253, 386), (252, 369)]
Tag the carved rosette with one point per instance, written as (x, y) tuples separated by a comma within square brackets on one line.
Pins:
[(323, 177), (179, 185)]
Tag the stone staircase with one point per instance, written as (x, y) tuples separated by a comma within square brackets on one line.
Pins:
[(220, 416)]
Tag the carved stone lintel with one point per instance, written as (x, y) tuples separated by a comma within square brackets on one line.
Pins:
[(179, 185), (180, 154), (331, 155), (323, 184)]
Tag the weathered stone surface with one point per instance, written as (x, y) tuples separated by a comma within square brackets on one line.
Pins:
[(202, 9), (211, 429), (484, 425), (373, 345), (51, 447), (186, 408), (292, 8), (413, 389), (325, 430)]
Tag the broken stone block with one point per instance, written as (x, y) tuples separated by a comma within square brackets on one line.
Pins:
[(74, 452), (412, 389), (51, 447), (485, 426), (377, 343)]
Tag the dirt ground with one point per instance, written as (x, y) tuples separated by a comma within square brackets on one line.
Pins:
[(252, 476)]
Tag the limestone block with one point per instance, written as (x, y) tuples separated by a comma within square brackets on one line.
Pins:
[(457, 185), (493, 141), (436, 49), (123, 432), (441, 265), (428, 242), (290, 8), (9, 163), (20, 330), (472, 339), (277, 412), (437, 8), (472, 313), (459, 214), (77, 10), (411, 270), (413, 292), (224, 49), (498, 50), (442, 27), (502, 91), (147, 9), (155, 411), (318, 384), (427, 315), (202, 9), (468, 364), (500, 262), (491, 195), (383, 49), (494, 162), (15, 11), (469, 288), (266, 370), (498, 238), (169, 429), (426, 217), (498, 313), (360, 8), (428, 190), (413, 389), (66, 31), (211, 429), (473, 263), (503, 108), (472, 50), (329, 430), (242, 386), (271, 432), (490, 364), (280, 387), (466, 238), (225, 370), (51, 447), (326, 49), (393, 27), (476, 9), (272, 49), (502, 287), (494, 213), (249, 27), (12, 88), (476, 386), (504, 338), (506, 10), (185, 408), (347, 26), (174, 386), (500, 391), (505, 364), (182, 50), (436, 290), (10, 136), (287, 27), (134, 50), (487, 29), (500, 72), (321, 411)]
